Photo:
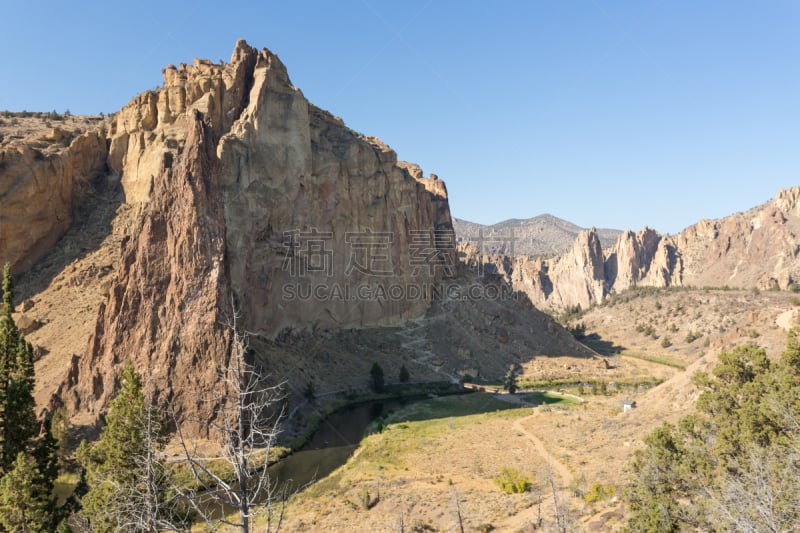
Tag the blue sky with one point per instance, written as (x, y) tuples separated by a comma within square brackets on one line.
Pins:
[(614, 114)]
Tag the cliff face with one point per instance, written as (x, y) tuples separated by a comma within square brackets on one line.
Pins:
[(247, 193), (758, 248), (40, 183)]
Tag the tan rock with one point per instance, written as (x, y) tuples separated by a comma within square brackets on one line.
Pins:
[(758, 248), (224, 187), (38, 192)]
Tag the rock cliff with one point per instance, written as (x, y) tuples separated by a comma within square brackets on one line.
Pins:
[(758, 248), (41, 181), (246, 193)]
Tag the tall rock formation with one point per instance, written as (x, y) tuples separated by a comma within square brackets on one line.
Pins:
[(758, 248), (249, 196)]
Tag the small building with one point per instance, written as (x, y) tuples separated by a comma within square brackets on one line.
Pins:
[(627, 405)]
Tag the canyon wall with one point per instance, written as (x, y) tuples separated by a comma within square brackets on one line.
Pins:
[(758, 248)]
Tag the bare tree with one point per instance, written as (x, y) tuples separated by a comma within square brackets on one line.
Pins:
[(246, 426), (458, 511), (130, 483), (560, 503)]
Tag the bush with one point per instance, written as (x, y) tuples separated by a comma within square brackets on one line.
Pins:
[(692, 336), (578, 330), (665, 342), (512, 481), (404, 375), (599, 492)]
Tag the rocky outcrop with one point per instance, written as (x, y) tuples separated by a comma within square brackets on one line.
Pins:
[(163, 312), (644, 258), (579, 272), (251, 197), (40, 184), (759, 248)]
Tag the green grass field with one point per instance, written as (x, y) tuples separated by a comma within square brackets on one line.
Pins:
[(539, 398)]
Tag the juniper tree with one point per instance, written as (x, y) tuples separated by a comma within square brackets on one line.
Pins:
[(731, 466)]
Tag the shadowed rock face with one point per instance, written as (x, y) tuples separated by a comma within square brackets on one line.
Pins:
[(246, 192), (758, 248), (38, 191)]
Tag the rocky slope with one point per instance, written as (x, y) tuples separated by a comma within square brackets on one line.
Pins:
[(538, 236), (758, 248)]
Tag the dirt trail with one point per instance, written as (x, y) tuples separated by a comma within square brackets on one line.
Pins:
[(558, 469), (556, 466)]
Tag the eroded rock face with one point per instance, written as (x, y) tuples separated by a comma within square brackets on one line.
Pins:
[(38, 191), (758, 248), (249, 193)]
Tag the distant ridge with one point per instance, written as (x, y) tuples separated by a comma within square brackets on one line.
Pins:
[(541, 235)]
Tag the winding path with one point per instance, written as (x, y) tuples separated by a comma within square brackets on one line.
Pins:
[(558, 469)]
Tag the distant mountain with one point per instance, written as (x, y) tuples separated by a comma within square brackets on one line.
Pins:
[(541, 235)]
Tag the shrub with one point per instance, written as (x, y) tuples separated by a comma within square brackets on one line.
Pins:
[(512, 481), (665, 342), (578, 330), (692, 336), (599, 492)]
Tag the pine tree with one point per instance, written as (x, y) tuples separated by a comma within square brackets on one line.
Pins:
[(46, 456), (28, 458), (18, 426), (9, 342), (376, 378), (404, 375), (21, 425), (22, 505), (510, 380), (127, 481)]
